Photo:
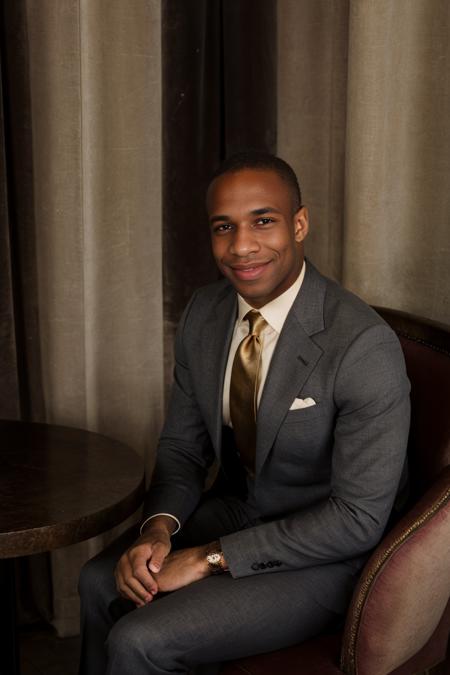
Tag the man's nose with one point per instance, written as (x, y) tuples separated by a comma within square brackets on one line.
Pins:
[(243, 242)]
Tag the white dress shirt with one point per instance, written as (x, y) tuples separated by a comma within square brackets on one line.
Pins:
[(275, 313)]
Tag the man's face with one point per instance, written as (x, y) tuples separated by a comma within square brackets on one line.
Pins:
[(257, 240)]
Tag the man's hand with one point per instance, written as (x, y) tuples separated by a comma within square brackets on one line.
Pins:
[(182, 568), (136, 569)]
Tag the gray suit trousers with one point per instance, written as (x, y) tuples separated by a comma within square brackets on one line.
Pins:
[(215, 619)]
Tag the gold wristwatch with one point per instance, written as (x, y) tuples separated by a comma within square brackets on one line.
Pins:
[(215, 559)]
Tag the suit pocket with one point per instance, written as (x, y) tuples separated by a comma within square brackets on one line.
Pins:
[(304, 414)]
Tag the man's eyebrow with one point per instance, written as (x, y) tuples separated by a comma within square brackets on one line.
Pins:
[(214, 219), (255, 212), (264, 210)]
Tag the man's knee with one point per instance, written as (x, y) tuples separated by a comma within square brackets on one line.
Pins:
[(97, 575), (131, 642), (95, 581), (87, 580)]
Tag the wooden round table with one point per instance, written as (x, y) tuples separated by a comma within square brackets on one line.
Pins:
[(58, 486)]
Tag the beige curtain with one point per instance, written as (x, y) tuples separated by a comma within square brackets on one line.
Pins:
[(95, 100), (364, 116)]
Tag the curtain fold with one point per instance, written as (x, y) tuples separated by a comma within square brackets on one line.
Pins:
[(219, 96), (397, 204), (19, 275), (9, 367), (312, 109), (364, 110), (21, 395)]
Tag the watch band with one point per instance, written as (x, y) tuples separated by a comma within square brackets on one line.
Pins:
[(215, 559)]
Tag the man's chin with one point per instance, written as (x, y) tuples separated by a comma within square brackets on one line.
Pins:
[(253, 294)]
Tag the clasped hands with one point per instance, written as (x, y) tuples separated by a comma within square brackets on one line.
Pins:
[(149, 567)]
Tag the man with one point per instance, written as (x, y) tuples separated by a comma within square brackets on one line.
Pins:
[(299, 390)]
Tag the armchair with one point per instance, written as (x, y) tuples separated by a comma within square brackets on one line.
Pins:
[(398, 622)]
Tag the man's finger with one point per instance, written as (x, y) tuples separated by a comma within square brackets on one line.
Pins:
[(122, 570), (132, 588), (133, 579), (142, 575), (129, 595), (159, 554), (139, 558)]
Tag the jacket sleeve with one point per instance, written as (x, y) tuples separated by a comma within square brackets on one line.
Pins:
[(184, 451), (371, 393)]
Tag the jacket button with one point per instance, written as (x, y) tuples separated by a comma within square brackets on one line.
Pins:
[(270, 564), (262, 566), (255, 566)]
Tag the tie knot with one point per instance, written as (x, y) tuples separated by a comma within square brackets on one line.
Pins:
[(257, 323)]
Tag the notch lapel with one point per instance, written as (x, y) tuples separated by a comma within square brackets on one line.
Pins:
[(295, 357), (215, 341)]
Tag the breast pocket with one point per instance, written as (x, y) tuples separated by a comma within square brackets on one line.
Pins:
[(305, 414), (304, 442)]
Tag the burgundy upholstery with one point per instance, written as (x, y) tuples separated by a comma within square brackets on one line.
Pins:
[(430, 401), (403, 593), (399, 620)]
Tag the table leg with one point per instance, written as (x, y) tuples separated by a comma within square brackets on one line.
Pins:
[(9, 646)]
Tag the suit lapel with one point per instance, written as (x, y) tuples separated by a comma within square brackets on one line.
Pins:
[(295, 357), (215, 341)]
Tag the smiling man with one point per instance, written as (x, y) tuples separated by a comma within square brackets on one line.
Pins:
[(257, 245), (298, 390)]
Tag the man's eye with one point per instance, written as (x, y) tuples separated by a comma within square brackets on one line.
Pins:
[(222, 227), (264, 221)]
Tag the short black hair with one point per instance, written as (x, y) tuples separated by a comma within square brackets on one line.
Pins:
[(263, 161)]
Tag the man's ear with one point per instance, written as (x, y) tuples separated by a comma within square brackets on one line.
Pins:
[(301, 223)]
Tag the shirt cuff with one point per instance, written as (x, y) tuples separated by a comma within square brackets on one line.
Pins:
[(169, 515)]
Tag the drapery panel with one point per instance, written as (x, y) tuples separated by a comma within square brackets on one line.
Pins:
[(397, 203), (364, 110)]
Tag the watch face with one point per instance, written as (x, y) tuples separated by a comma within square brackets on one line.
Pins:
[(214, 558)]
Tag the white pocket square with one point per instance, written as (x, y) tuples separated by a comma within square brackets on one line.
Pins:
[(302, 403)]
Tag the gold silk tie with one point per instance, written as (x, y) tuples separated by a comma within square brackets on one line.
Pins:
[(245, 378)]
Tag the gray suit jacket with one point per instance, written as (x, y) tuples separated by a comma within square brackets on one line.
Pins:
[(326, 475)]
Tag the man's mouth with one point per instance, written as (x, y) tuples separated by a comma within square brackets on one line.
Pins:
[(250, 271)]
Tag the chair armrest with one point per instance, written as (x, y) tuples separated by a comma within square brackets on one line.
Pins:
[(403, 590)]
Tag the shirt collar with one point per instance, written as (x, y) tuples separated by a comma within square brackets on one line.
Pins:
[(276, 311)]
